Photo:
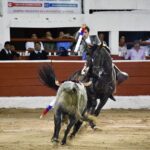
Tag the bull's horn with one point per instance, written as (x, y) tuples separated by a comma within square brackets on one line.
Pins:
[(87, 83), (57, 83)]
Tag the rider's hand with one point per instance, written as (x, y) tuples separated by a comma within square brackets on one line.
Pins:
[(83, 25), (89, 45)]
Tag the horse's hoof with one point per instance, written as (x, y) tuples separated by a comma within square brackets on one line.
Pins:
[(63, 142), (96, 128), (96, 113), (54, 140), (71, 136)]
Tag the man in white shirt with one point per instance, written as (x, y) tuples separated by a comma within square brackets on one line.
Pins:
[(136, 53), (30, 45), (38, 53)]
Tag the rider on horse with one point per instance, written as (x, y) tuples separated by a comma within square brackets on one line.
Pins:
[(87, 47)]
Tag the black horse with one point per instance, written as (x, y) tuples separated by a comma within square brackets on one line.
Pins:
[(100, 70)]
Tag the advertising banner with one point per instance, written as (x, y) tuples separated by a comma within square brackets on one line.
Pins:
[(44, 6)]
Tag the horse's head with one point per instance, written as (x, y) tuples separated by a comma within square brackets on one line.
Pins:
[(97, 71), (102, 63)]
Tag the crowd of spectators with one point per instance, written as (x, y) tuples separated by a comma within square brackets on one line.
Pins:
[(37, 50), (140, 49)]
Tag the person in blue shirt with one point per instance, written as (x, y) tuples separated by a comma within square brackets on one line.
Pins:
[(64, 46)]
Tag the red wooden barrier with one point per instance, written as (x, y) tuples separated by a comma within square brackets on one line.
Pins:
[(21, 78)]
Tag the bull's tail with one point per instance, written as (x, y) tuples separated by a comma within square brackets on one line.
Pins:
[(48, 77), (87, 118), (90, 119)]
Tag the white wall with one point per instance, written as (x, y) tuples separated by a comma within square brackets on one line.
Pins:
[(102, 21), (117, 4), (124, 102)]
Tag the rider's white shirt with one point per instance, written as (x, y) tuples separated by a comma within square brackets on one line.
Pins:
[(88, 40)]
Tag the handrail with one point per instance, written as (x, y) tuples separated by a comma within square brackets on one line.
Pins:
[(43, 40)]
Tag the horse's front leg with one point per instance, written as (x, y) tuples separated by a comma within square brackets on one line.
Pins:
[(72, 122), (101, 105), (57, 126), (92, 101)]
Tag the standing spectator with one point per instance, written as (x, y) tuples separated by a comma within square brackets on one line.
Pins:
[(101, 38), (122, 46), (48, 45), (38, 53), (8, 53), (146, 46), (30, 45), (136, 53)]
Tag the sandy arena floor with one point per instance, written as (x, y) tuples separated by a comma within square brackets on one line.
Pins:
[(21, 129)]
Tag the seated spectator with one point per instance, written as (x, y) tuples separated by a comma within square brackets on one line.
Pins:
[(8, 53), (30, 45), (49, 45), (122, 46), (136, 53), (146, 45), (38, 53), (101, 39), (63, 47)]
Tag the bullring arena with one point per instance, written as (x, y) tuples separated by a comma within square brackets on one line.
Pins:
[(123, 124)]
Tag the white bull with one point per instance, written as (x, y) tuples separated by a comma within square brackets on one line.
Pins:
[(71, 100)]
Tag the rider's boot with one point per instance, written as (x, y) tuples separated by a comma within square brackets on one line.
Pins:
[(120, 75)]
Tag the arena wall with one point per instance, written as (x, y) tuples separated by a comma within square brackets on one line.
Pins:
[(20, 78)]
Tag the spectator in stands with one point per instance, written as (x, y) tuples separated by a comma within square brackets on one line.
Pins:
[(122, 46), (101, 38), (38, 53), (64, 46), (8, 53), (30, 45), (146, 45), (12, 47), (48, 45), (136, 53)]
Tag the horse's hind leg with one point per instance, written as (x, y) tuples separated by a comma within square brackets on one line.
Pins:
[(72, 122), (101, 105), (57, 125)]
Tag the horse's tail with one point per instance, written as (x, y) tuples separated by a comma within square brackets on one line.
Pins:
[(48, 77)]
